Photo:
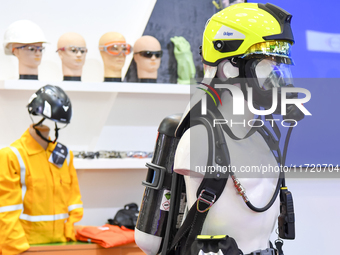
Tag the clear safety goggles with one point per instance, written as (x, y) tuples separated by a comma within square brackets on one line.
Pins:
[(116, 48), (30, 48), (73, 49)]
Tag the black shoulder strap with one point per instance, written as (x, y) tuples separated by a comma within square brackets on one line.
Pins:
[(211, 186)]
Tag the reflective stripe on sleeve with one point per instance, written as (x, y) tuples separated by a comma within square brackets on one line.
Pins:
[(44, 217), (72, 207), (22, 171), (10, 208)]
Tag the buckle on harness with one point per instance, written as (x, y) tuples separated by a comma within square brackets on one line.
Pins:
[(207, 198), (268, 251)]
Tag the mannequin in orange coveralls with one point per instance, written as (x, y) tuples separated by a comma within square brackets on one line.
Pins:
[(39, 193)]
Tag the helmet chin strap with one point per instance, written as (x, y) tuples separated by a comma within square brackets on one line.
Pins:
[(41, 136)]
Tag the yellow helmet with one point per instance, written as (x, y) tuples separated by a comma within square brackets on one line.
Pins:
[(247, 28)]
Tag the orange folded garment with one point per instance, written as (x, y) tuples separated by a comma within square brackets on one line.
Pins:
[(106, 235)]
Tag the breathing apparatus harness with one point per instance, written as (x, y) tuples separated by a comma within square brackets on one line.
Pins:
[(212, 187), (273, 143)]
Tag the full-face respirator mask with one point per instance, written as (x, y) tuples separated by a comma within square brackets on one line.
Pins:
[(264, 66)]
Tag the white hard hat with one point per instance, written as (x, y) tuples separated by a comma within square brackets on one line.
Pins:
[(22, 31)]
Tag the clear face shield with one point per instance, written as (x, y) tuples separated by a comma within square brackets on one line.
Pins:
[(272, 74), (268, 66), (269, 63)]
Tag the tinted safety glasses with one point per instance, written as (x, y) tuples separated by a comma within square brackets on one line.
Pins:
[(149, 54)]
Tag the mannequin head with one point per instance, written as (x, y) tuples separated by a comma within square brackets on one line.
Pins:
[(29, 56), (72, 52), (113, 49), (50, 102), (147, 63), (24, 39)]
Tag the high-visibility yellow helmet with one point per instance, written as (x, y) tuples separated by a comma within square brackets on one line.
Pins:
[(247, 28)]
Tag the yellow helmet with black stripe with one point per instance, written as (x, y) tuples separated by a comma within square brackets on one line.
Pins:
[(247, 28)]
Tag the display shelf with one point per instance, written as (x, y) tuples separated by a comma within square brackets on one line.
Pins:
[(119, 87), (125, 163)]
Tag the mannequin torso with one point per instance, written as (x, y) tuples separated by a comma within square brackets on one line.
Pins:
[(230, 215)]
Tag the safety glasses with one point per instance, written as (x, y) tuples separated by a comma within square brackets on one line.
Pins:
[(30, 48), (112, 154), (73, 49), (149, 54), (116, 48)]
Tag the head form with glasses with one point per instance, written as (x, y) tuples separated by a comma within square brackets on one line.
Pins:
[(72, 52), (113, 50), (24, 39), (147, 55)]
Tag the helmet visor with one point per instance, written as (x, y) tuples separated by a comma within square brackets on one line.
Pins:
[(270, 74), (270, 48)]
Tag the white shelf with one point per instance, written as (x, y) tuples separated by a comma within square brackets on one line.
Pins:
[(125, 163), (118, 87)]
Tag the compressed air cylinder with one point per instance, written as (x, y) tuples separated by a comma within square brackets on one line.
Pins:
[(155, 206)]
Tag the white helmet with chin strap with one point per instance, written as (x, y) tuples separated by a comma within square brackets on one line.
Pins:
[(22, 31)]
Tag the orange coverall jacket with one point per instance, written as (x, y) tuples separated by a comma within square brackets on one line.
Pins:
[(39, 202)]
